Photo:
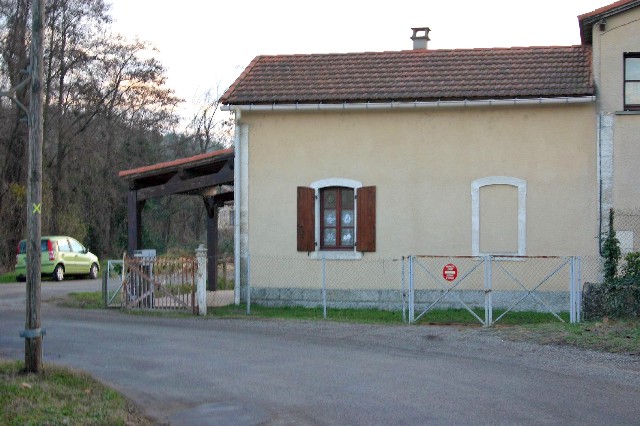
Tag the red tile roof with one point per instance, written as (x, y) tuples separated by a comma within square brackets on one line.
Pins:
[(190, 161), (415, 75), (587, 20), (607, 8)]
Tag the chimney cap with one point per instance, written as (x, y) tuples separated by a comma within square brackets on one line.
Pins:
[(420, 41), (417, 30)]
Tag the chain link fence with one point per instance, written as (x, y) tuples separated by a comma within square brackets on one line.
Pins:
[(326, 283), (417, 285), (627, 227)]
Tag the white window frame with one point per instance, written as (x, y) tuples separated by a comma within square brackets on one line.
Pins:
[(334, 254), (521, 185)]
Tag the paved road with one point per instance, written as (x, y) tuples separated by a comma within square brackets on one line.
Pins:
[(244, 372)]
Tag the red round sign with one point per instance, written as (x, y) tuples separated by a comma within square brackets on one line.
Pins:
[(450, 272)]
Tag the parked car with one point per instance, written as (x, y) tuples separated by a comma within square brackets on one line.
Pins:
[(60, 256)]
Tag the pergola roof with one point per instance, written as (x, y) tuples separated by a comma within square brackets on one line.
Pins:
[(183, 176)]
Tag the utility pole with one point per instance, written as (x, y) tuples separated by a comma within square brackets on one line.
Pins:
[(33, 332)]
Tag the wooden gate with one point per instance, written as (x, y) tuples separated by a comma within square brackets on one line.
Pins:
[(160, 283)]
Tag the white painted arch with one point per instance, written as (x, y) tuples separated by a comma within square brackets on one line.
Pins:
[(521, 185)]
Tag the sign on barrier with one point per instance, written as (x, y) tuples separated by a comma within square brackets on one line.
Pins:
[(450, 272)]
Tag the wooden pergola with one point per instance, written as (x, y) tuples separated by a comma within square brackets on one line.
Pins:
[(205, 175)]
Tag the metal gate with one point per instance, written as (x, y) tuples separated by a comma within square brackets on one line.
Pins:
[(159, 283), (541, 284), (112, 284)]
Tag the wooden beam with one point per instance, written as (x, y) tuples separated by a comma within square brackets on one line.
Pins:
[(224, 197), (134, 227), (179, 186), (212, 249)]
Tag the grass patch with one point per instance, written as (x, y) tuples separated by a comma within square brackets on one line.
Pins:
[(60, 396), (617, 336), (376, 316), (82, 300), (370, 316), (8, 278), (462, 316)]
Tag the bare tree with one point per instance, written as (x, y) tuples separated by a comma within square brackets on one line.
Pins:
[(14, 41), (210, 128)]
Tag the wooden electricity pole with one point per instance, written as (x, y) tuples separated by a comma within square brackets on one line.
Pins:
[(33, 331)]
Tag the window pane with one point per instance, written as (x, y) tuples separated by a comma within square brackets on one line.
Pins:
[(346, 218), (632, 93), (329, 237), (632, 69), (347, 198), (329, 198), (76, 246), (63, 246), (347, 237), (330, 217)]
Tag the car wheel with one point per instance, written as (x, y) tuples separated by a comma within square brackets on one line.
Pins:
[(58, 273), (93, 271)]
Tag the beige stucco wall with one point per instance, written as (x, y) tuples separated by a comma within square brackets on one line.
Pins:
[(423, 163), (626, 173), (622, 34)]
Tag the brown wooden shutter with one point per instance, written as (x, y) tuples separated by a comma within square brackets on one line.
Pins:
[(306, 219), (366, 232)]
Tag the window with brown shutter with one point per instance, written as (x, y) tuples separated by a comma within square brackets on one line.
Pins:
[(366, 224), (306, 219), (337, 227)]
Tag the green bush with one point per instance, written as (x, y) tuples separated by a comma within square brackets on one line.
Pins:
[(632, 267), (611, 252)]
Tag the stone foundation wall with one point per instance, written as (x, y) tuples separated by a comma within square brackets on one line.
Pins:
[(393, 300)]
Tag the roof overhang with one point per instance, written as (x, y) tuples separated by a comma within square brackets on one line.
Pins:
[(588, 20), (195, 175), (349, 106)]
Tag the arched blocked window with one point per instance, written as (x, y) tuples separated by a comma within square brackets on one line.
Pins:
[(499, 211), (336, 218)]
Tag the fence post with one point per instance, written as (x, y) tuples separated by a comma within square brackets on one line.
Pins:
[(579, 289), (411, 292), (201, 279), (248, 285), (124, 301), (488, 296), (572, 291), (404, 301), (324, 287), (105, 293)]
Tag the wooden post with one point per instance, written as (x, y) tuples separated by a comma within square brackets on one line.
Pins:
[(33, 332), (212, 247), (134, 212)]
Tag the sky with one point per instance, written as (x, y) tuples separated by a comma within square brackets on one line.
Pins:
[(205, 44)]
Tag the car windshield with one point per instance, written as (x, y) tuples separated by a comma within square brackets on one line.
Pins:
[(23, 246)]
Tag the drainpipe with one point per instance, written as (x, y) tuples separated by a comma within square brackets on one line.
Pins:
[(236, 211)]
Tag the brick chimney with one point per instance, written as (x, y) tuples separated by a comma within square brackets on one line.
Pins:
[(420, 38)]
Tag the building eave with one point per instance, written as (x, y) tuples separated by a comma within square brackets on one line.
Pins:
[(347, 106)]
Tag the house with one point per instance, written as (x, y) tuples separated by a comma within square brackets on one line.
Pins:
[(613, 34), (508, 151)]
